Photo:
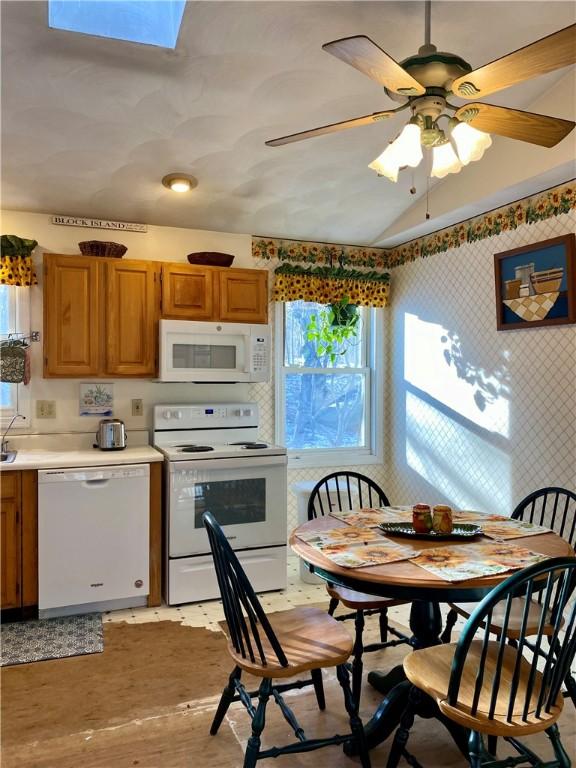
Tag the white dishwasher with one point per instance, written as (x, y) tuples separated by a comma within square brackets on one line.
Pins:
[(93, 538)]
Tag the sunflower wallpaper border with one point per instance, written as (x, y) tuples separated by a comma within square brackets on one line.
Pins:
[(543, 205)]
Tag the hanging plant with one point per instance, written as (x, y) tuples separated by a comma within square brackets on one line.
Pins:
[(12, 245), (335, 329)]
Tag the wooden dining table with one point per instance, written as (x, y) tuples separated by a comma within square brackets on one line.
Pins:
[(425, 591)]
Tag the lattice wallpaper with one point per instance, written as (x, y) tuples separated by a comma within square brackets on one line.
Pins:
[(478, 418)]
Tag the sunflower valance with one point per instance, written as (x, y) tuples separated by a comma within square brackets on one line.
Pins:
[(16, 266), (328, 285)]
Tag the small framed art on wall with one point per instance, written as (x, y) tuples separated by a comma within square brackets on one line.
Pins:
[(536, 284)]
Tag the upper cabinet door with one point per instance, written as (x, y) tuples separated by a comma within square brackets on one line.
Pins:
[(71, 316), (130, 318), (243, 295), (188, 292)]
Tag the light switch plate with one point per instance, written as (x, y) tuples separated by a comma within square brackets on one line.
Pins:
[(137, 407), (45, 409)]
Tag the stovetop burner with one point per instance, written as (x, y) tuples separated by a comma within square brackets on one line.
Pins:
[(250, 444), (194, 448)]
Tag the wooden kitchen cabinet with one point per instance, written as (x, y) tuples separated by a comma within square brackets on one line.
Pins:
[(243, 295), (100, 317), (214, 293), (187, 292), (71, 316), (19, 540), (131, 320)]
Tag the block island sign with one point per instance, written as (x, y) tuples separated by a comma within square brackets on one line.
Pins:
[(81, 221)]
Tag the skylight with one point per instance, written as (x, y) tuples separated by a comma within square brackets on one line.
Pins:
[(152, 22)]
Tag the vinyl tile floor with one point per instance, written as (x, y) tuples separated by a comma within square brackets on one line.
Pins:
[(207, 614)]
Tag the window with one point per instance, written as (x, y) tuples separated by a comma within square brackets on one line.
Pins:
[(152, 22), (14, 318), (328, 413)]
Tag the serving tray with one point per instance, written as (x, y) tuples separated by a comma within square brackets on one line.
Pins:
[(459, 531)]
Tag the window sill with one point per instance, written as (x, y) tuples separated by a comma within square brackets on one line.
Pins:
[(345, 459)]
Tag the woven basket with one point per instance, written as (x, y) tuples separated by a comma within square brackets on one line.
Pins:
[(211, 258), (102, 248)]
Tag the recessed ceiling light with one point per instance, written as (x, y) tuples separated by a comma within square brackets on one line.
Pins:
[(179, 182)]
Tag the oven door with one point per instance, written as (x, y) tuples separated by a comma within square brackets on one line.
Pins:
[(247, 497)]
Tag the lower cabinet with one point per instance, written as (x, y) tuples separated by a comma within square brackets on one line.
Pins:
[(19, 540)]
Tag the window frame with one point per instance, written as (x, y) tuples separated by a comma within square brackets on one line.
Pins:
[(373, 452), (19, 310)]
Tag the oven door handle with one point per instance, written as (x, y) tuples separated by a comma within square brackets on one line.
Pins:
[(244, 462)]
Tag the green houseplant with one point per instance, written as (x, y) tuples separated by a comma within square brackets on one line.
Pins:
[(334, 329), (12, 245)]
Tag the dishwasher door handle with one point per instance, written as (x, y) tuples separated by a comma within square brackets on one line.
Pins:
[(97, 482)]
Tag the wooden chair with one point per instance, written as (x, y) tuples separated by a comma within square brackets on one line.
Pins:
[(554, 508), (282, 646), (337, 492), (493, 688)]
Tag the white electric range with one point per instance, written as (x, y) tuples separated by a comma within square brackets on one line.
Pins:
[(216, 462)]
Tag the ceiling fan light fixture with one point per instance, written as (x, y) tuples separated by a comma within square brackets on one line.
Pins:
[(470, 142), (387, 164), (408, 145), (179, 182), (444, 160)]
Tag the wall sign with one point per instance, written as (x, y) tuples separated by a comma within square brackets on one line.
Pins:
[(80, 221)]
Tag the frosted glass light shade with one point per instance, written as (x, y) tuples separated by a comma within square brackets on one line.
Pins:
[(408, 145), (470, 142), (387, 163), (444, 161)]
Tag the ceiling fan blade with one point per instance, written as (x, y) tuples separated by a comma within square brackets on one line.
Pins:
[(545, 55), (515, 124), (363, 54), (332, 128)]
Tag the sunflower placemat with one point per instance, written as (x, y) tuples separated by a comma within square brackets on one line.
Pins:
[(355, 547), (473, 516), (474, 561), (371, 517), (511, 529)]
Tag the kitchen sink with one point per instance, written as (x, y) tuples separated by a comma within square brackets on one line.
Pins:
[(8, 457)]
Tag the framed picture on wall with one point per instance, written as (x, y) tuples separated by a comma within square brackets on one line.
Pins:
[(536, 284)]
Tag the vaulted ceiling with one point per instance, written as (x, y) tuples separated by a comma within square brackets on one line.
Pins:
[(91, 125)]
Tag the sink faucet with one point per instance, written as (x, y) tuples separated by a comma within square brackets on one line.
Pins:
[(4, 443)]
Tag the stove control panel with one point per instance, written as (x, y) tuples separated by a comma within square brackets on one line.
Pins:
[(205, 416)]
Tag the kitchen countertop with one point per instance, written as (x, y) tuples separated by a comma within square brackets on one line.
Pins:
[(72, 449), (37, 458)]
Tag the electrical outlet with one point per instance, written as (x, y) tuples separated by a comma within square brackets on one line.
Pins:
[(45, 409), (137, 407)]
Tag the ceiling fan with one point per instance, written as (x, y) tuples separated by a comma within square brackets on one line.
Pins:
[(425, 81)]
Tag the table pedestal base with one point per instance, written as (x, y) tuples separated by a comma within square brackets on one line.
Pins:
[(426, 625)]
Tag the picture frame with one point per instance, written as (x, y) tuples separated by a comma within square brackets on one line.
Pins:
[(536, 284), (96, 399)]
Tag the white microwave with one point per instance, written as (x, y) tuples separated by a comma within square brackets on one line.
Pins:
[(213, 352)]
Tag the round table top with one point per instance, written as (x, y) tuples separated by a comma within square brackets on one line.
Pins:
[(404, 578)]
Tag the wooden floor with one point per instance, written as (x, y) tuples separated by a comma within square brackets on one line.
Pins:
[(148, 701)]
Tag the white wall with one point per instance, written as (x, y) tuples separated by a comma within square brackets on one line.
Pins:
[(479, 417), (159, 243)]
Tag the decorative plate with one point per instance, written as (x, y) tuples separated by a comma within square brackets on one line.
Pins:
[(460, 531)]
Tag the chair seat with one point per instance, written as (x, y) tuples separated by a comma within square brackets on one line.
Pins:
[(360, 600), (309, 637), (515, 618), (429, 669)]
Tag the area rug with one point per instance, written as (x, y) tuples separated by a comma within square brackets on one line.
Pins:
[(26, 641)]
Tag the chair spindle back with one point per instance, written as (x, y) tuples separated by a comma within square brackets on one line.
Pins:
[(553, 508), (342, 490), (536, 679), (247, 622)]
